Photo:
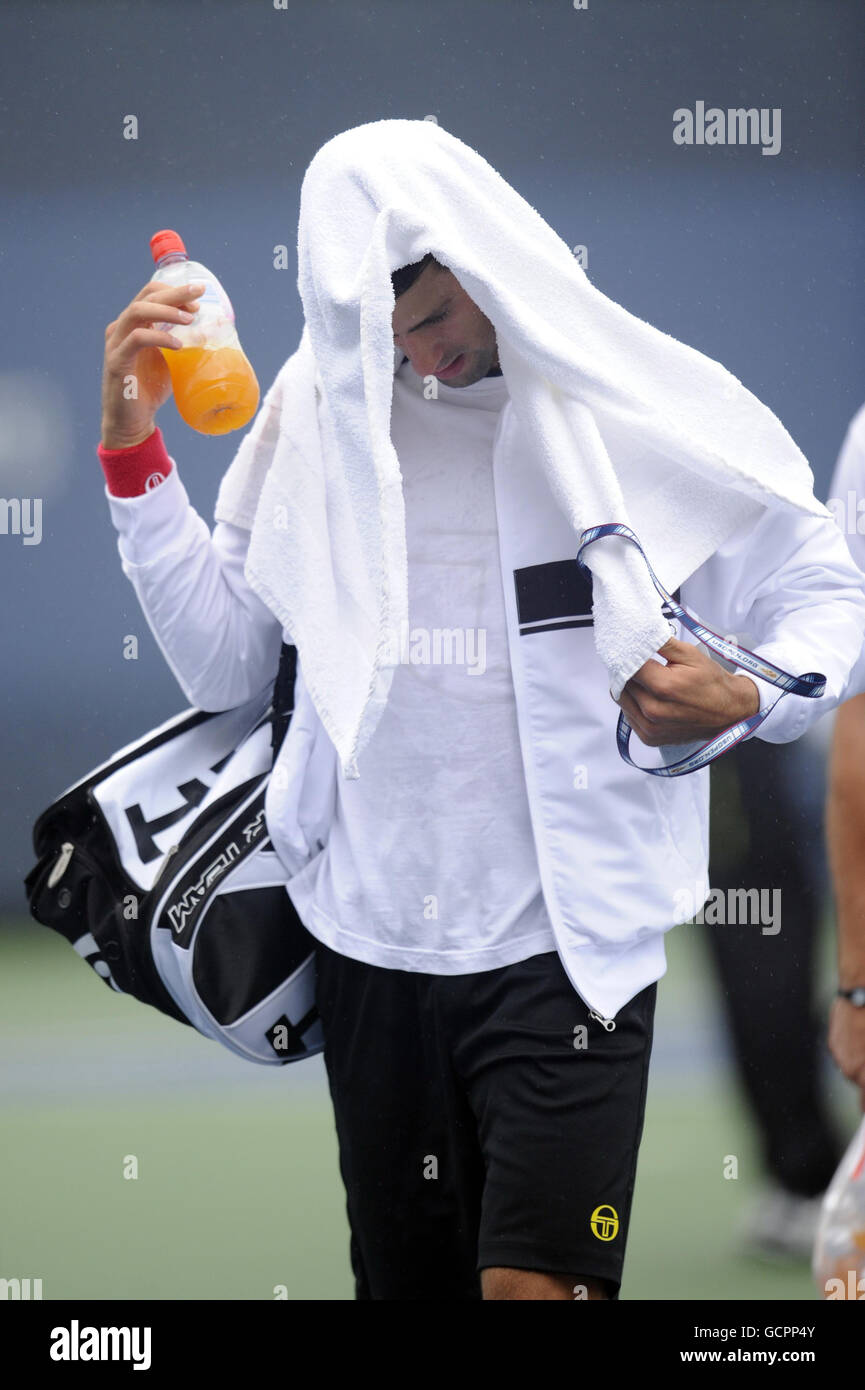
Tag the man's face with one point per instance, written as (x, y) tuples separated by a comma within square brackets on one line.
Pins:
[(437, 326)]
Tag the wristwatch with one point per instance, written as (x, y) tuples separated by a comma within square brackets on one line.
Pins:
[(856, 996)]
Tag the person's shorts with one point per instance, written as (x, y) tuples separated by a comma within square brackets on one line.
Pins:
[(483, 1120)]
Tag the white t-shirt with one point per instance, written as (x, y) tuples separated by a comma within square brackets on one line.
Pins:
[(431, 863)]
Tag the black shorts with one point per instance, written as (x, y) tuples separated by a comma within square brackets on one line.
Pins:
[(483, 1120)]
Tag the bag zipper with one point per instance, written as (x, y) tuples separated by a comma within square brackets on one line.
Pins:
[(67, 849), (166, 861), (61, 864)]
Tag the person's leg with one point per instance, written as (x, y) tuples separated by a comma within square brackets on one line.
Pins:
[(408, 1148), (523, 1284), (559, 1126), (767, 979)]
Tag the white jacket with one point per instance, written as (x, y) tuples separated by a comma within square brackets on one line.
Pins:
[(623, 856)]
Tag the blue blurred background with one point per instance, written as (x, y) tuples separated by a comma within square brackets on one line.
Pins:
[(756, 260)]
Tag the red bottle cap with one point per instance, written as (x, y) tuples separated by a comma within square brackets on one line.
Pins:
[(163, 243)]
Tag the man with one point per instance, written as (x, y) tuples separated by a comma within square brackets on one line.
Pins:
[(489, 890), (845, 806), (766, 831)]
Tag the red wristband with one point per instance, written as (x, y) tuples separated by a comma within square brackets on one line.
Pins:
[(138, 469)]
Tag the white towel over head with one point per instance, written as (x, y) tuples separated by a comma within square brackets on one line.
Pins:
[(627, 424)]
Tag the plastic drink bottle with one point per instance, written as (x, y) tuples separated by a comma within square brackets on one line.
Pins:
[(215, 388), (839, 1251)]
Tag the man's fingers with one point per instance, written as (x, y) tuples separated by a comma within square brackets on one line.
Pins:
[(651, 677), (659, 679), (665, 680), (643, 704), (144, 311), (641, 724), (154, 287), (173, 298), (676, 650)]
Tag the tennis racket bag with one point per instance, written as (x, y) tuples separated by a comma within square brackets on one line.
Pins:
[(158, 869)]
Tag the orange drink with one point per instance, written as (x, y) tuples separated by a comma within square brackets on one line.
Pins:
[(215, 389)]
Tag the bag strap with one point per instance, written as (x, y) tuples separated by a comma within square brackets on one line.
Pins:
[(812, 684), (283, 696)]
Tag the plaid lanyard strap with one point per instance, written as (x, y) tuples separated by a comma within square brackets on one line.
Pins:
[(811, 685)]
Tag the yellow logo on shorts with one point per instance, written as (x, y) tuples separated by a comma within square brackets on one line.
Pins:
[(605, 1222)]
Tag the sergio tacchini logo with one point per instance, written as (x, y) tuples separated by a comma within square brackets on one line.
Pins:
[(605, 1222)]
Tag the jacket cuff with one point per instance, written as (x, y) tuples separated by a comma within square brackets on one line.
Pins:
[(137, 469), (788, 720), (154, 523)]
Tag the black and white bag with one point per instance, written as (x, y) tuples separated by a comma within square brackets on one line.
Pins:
[(157, 867)]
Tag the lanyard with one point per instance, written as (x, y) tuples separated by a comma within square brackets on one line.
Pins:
[(811, 684)]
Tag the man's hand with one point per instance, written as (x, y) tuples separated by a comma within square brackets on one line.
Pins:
[(132, 351), (847, 1042), (690, 698)]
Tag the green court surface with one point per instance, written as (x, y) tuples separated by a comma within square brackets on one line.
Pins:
[(238, 1189)]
